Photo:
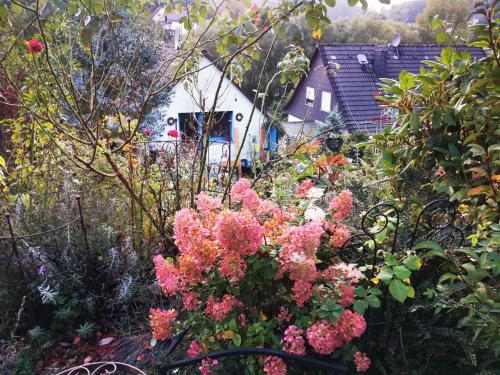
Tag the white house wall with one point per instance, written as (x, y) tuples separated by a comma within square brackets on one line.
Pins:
[(201, 97)]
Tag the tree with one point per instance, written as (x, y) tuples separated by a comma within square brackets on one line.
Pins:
[(333, 122), (447, 131), (455, 13)]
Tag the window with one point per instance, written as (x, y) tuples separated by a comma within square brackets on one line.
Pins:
[(221, 126), (310, 96), (190, 125), (326, 100)]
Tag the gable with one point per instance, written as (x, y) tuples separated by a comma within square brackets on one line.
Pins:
[(311, 87), (202, 93)]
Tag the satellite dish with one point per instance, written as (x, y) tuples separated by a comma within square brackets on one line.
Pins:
[(362, 59), (396, 39)]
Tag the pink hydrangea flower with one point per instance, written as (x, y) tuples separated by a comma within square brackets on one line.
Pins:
[(191, 269), (196, 348), (347, 295), (304, 270), (242, 192), (239, 189), (361, 361), (206, 203), (147, 132), (167, 275), (274, 366), (233, 267), (293, 342), (191, 301), (341, 205), (304, 239), (340, 272), (188, 230), (340, 235), (161, 322), (284, 315), (302, 292), (323, 337), (303, 188), (350, 325), (239, 232), (242, 319), (207, 365), (220, 310)]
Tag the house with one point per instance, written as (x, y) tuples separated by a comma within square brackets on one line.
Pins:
[(172, 26), (190, 106), (346, 76)]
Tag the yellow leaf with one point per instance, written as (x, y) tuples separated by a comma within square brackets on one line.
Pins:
[(375, 280), (419, 263), (495, 178), (411, 292), (475, 190), (227, 335), (262, 316), (316, 34), (407, 280)]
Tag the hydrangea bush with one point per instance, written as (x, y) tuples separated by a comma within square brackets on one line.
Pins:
[(264, 275)]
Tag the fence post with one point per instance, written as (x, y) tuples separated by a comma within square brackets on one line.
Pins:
[(82, 224)]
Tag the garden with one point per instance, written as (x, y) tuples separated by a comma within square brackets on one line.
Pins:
[(125, 248)]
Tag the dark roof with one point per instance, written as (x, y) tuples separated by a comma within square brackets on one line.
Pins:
[(354, 84)]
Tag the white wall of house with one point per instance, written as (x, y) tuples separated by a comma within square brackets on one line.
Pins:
[(301, 129), (200, 97)]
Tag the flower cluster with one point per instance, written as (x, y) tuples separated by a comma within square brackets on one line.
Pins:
[(220, 310), (361, 361), (293, 342), (325, 337), (341, 205), (196, 348), (243, 193), (304, 188), (274, 366), (161, 322), (260, 268), (340, 234)]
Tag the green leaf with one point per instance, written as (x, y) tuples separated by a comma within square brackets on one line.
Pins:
[(237, 339), (413, 263), (401, 272), (398, 290), (389, 259), (360, 306), (428, 245), (441, 37), (385, 275), (373, 301)]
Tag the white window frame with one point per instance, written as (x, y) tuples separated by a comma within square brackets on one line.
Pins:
[(310, 95), (326, 101)]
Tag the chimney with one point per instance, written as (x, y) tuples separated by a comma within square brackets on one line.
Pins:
[(380, 61)]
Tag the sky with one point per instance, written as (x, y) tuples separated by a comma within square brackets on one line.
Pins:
[(375, 5)]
